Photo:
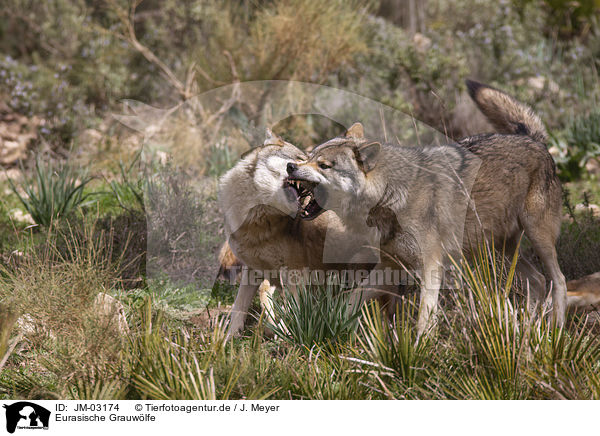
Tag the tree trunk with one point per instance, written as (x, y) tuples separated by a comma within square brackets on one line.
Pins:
[(408, 14)]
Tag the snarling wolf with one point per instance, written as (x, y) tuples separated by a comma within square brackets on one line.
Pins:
[(418, 199), (264, 231)]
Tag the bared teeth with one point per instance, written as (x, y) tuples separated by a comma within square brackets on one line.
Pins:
[(305, 201)]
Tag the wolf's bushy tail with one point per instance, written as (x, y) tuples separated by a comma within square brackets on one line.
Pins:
[(227, 262), (506, 114)]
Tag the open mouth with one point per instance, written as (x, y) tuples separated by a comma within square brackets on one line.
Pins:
[(301, 191)]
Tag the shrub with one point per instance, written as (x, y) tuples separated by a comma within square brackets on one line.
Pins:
[(579, 243), (578, 143), (565, 18), (56, 292)]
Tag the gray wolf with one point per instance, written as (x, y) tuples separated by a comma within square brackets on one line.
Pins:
[(264, 231), (414, 196)]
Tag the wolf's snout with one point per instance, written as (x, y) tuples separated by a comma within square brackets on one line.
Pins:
[(291, 167)]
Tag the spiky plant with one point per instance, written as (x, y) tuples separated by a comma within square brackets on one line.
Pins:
[(565, 362), (52, 193), (317, 315), (392, 351), (129, 191), (490, 329), (331, 376)]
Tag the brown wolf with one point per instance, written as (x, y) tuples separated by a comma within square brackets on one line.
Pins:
[(418, 199), (584, 293)]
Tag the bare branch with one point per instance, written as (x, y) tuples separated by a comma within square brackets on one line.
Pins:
[(128, 20), (208, 78), (234, 73)]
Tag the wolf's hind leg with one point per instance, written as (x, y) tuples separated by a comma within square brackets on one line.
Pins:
[(543, 233), (547, 253)]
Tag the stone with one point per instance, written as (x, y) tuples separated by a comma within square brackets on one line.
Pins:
[(593, 208), (112, 310)]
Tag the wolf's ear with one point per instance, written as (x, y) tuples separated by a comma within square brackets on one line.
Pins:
[(368, 155), (273, 139), (356, 131)]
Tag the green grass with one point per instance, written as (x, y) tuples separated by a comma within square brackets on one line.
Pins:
[(176, 300), (485, 345)]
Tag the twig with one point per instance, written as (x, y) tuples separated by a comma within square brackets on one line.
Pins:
[(128, 19)]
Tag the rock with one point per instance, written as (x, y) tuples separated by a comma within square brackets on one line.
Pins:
[(162, 157), (112, 311), (16, 132), (539, 83), (593, 166), (109, 310), (11, 173), (89, 137), (554, 151), (421, 42), (26, 325), (29, 326), (11, 151), (593, 208), (18, 215), (210, 318)]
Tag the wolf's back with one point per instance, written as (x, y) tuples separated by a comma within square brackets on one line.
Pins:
[(506, 114)]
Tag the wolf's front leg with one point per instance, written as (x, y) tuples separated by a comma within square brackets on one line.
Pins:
[(430, 289), (241, 305)]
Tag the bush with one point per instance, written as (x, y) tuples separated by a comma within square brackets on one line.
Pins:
[(579, 142), (565, 18), (579, 243)]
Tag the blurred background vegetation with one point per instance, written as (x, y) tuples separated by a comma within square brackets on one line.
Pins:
[(73, 212), (69, 62)]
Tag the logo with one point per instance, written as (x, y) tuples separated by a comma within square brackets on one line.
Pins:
[(26, 415)]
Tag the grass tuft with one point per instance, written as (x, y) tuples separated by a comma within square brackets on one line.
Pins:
[(52, 193)]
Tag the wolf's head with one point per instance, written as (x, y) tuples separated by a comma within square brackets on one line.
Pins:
[(270, 172), (260, 178), (335, 174)]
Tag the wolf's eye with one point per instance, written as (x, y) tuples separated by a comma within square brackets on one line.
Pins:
[(324, 165)]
